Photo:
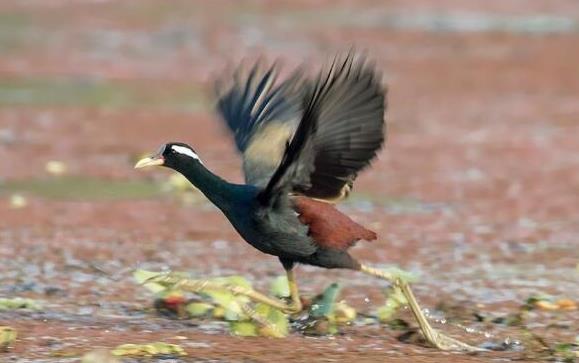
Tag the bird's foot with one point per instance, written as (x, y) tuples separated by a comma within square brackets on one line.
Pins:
[(433, 336), (444, 342)]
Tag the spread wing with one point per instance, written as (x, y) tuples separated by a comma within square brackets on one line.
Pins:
[(340, 132), (262, 116)]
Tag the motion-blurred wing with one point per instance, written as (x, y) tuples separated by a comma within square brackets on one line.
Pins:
[(341, 130), (262, 116), (350, 129)]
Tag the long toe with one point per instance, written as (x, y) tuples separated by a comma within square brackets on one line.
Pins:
[(444, 342)]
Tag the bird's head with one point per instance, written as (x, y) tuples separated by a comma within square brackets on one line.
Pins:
[(174, 155)]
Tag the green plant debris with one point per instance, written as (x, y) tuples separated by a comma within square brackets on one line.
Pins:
[(276, 319), (323, 305), (344, 313), (199, 309), (145, 278), (217, 303), (231, 303), (244, 328), (394, 302), (268, 322), (149, 350), (19, 303), (322, 318), (280, 287), (99, 356), (548, 302), (7, 337), (567, 352)]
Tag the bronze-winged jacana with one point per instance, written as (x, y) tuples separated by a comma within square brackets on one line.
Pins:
[(303, 143)]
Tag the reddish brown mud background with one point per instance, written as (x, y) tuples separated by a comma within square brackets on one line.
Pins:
[(477, 190)]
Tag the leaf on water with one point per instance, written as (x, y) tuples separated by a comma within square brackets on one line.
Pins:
[(199, 309), (394, 302), (219, 312), (270, 322), (18, 303), (344, 313), (277, 320), (243, 328), (280, 287), (323, 305), (148, 350), (224, 298), (547, 302), (144, 278), (229, 302), (222, 302), (322, 313), (99, 356), (7, 337)]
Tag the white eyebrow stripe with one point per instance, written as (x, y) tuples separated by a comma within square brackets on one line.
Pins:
[(185, 151)]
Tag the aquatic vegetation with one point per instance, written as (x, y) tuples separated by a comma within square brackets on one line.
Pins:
[(7, 337), (156, 349)]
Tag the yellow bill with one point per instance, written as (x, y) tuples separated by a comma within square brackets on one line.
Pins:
[(150, 161)]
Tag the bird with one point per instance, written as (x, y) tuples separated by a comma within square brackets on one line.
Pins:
[(303, 141)]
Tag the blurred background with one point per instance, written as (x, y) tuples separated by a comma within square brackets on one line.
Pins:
[(477, 190)]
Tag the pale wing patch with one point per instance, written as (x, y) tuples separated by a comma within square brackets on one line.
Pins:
[(185, 151), (268, 145)]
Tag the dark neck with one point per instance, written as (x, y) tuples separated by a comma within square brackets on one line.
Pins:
[(217, 190)]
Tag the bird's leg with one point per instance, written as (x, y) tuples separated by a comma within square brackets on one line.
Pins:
[(296, 304), (197, 286), (433, 336)]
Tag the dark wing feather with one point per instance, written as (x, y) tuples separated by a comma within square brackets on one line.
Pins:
[(340, 132), (350, 130), (261, 115)]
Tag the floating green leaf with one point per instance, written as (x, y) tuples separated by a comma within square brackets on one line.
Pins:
[(267, 321), (323, 305), (144, 278), (148, 350), (7, 337), (394, 302), (198, 309), (280, 287), (344, 313), (277, 319), (243, 328), (99, 356), (228, 300), (18, 303)]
